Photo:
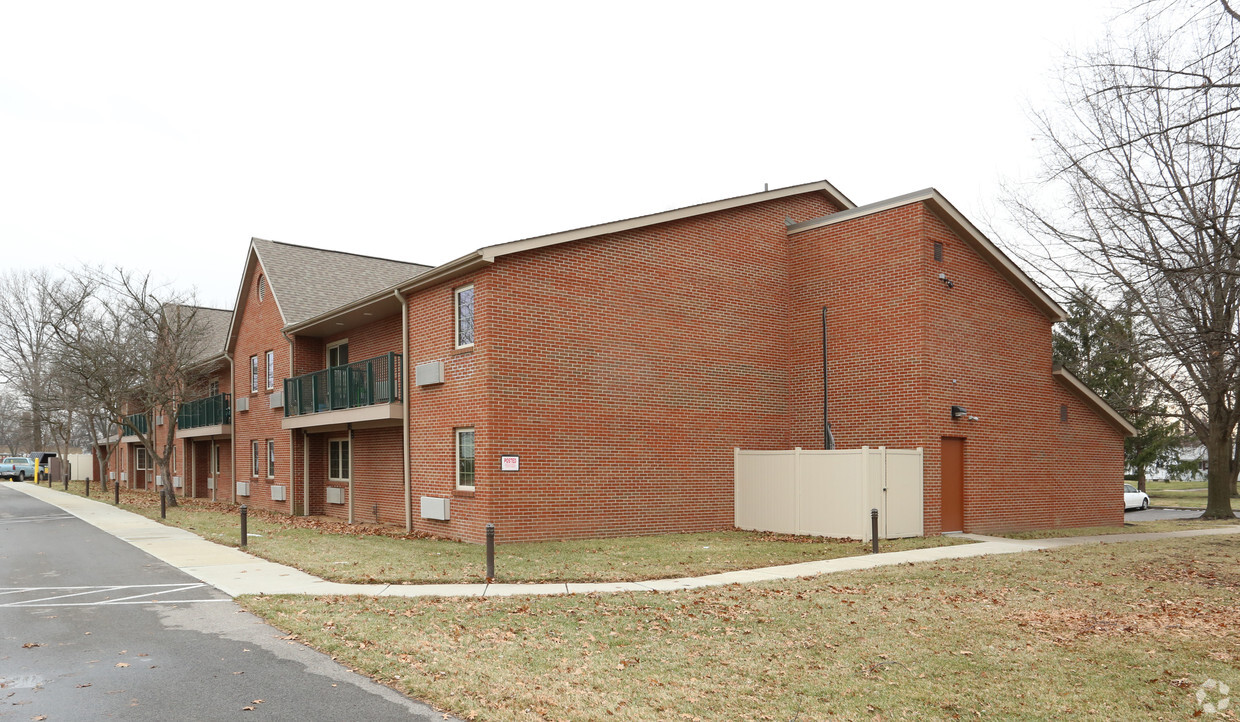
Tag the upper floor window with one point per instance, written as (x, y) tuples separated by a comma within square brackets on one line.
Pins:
[(338, 353), (213, 387), (253, 374), (271, 370), (465, 316)]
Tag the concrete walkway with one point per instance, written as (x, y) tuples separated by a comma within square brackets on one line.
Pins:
[(235, 572)]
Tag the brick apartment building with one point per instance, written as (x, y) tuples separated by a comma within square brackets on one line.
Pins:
[(595, 382)]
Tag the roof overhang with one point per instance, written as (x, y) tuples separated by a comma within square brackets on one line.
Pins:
[(359, 313), (964, 228), (1093, 399)]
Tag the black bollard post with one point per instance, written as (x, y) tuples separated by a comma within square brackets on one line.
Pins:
[(88, 487), (245, 535), (874, 531), (116, 492), (490, 552), (163, 503)]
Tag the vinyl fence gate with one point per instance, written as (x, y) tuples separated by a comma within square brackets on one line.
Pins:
[(830, 493)]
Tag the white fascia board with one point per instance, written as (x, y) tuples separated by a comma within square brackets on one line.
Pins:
[(490, 253), (1079, 386), (954, 218)]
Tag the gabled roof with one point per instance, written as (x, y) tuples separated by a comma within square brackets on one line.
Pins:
[(963, 227), (307, 282), (1093, 399), (215, 323)]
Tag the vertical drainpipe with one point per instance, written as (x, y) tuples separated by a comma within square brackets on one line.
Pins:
[(350, 426), (232, 438), (406, 374), (292, 488)]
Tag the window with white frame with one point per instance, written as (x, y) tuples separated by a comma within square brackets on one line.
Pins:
[(271, 459), (213, 388), (271, 370), (338, 460), (215, 459), (338, 353), (464, 458), (253, 374), (464, 316), (141, 460), (255, 459)]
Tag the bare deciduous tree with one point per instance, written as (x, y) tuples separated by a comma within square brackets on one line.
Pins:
[(26, 305), (1140, 196)]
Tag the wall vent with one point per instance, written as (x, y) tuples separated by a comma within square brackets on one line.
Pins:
[(428, 373), (243, 488), (434, 507), (211, 482), (335, 495), (279, 493)]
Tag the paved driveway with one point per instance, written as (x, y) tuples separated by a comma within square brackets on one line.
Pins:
[(93, 628), (1160, 514)]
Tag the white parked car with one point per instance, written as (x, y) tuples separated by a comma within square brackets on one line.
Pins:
[(1135, 499)]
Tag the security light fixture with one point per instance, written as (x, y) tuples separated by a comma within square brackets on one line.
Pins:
[(959, 412)]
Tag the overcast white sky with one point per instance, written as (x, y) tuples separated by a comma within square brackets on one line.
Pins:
[(164, 135)]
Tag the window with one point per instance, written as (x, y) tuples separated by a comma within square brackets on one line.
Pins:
[(271, 459), (262, 288), (338, 353), (464, 458), (253, 374), (338, 460), (213, 388), (255, 459), (142, 461), (215, 459), (271, 370), (465, 316), (172, 460)]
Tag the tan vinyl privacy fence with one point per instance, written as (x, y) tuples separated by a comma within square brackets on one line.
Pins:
[(830, 493)]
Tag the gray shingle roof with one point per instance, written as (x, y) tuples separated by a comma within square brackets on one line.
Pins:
[(310, 281), (215, 335)]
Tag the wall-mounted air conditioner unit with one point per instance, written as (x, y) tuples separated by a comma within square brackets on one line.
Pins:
[(124, 476), (428, 373), (210, 482), (277, 400), (434, 507), (159, 480), (335, 495), (176, 482), (243, 488), (243, 403), (279, 493), (159, 420)]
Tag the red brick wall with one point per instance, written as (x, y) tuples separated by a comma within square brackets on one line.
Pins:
[(904, 348), (622, 369), (258, 331)]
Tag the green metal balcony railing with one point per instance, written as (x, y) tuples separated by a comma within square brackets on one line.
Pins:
[(134, 424), (350, 386), (210, 411)]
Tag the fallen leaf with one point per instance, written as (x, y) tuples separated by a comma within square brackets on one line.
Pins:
[(247, 709), (31, 645), (87, 684), (122, 664)]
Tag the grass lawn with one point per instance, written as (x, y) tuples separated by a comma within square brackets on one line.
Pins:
[(339, 552), (1127, 528), (1121, 631), (1187, 499), (1153, 486)]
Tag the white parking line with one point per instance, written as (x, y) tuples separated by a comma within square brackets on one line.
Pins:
[(44, 599)]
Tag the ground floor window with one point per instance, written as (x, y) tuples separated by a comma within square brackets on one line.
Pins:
[(255, 459), (271, 459), (215, 459), (338, 460), (465, 458)]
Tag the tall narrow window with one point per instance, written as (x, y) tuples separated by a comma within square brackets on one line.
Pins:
[(465, 316), (140, 459), (338, 460), (464, 458), (338, 353), (253, 374), (271, 459), (215, 459), (271, 370), (213, 388), (255, 459)]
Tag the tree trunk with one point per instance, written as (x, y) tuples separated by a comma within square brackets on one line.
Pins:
[(1141, 478), (168, 492), (1218, 476)]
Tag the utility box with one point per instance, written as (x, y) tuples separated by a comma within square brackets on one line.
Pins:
[(434, 507)]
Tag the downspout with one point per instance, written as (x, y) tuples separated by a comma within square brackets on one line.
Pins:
[(292, 486), (828, 439), (404, 408), (232, 438), (350, 473)]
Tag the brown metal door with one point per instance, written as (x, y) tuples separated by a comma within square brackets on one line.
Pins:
[(953, 484)]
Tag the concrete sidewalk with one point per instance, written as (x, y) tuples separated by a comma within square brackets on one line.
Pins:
[(235, 572)]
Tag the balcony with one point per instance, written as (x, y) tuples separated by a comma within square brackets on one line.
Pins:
[(210, 416), (133, 425), (366, 392)]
